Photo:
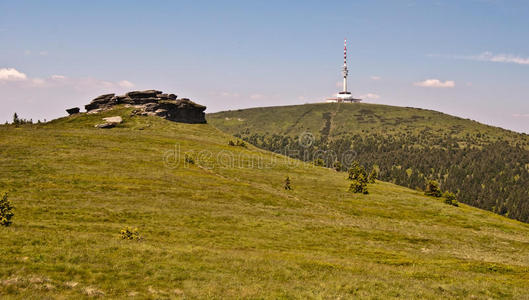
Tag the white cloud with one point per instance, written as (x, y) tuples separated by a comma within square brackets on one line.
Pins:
[(256, 96), (125, 84), (369, 96), (521, 115), (38, 81), (436, 83), (488, 57), (11, 74), (501, 58), (58, 77), (43, 53), (376, 77), (229, 94)]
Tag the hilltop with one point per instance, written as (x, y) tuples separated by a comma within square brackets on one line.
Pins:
[(488, 167), (224, 226)]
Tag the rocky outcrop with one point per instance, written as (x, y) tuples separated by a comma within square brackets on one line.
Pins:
[(153, 103), (73, 111)]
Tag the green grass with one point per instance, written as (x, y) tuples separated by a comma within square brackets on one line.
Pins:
[(218, 229)]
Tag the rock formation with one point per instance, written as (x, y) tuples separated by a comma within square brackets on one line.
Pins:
[(73, 111), (152, 103)]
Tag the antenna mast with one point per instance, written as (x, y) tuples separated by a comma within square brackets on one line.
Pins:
[(345, 71)]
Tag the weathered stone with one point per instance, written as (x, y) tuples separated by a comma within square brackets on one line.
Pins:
[(143, 94), (113, 120), (100, 101), (73, 111), (95, 111), (166, 96), (105, 125)]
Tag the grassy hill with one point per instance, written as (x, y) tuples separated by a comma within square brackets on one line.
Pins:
[(224, 227), (488, 167)]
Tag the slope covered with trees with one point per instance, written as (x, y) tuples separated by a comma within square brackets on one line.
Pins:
[(487, 167), (153, 209)]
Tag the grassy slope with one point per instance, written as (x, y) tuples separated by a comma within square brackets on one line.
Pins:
[(212, 231), (352, 119)]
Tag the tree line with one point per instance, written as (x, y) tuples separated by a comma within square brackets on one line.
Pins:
[(491, 175)]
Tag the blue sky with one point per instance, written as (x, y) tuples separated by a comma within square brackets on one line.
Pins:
[(469, 58)]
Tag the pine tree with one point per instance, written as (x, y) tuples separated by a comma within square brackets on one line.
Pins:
[(450, 198), (6, 211), (356, 171), (288, 187), (432, 189), (359, 185), (16, 120)]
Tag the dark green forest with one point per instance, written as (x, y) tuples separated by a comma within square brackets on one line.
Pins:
[(492, 176)]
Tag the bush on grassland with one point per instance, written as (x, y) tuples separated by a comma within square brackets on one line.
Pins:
[(6, 211), (450, 198), (130, 234)]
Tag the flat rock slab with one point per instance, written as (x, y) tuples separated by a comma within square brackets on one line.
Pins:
[(105, 125), (113, 120)]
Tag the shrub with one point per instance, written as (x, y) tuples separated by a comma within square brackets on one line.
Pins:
[(450, 198), (337, 166), (432, 189), (356, 170), (288, 187), (6, 211), (130, 234), (359, 186), (319, 162), (188, 159), (237, 143)]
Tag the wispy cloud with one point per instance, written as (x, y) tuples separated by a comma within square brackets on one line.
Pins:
[(11, 74), (257, 96), (501, 58), (369, 96), (376, 77), (489, 57), (125, 84), (435, 83), (229, 94), (521, 115), (58, 77)]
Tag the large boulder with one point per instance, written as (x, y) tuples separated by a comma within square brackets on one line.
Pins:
[(73, 111), (143, 94), (182, 110), (101, 101)]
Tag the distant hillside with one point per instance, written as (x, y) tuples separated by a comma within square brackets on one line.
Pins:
[(224, 226), (488, 167)]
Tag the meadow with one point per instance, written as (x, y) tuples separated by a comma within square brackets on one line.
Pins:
[(225, 227)]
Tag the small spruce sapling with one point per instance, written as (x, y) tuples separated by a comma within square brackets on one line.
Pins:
[(432, 189), (359, 185), (288, 187), (450, 198), (6, 211)]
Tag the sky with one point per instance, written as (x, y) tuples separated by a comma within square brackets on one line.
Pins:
[(468, 58)]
